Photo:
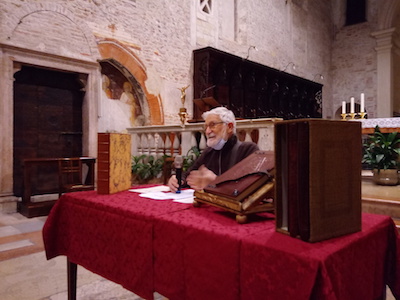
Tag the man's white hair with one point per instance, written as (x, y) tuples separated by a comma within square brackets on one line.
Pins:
[(226, 115)]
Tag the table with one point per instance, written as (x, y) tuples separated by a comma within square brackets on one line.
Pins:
[(184, 252)]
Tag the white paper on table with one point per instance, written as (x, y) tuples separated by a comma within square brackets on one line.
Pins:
[(187, 193), (186, 200), (184, 194), (159, 188), (155, 196)]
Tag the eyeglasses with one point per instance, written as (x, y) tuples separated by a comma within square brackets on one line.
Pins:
[(211, 125)]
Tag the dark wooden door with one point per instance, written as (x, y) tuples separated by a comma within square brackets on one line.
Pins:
[(47, 123)]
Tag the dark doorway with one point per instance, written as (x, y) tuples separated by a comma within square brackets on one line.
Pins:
[(47, 123)]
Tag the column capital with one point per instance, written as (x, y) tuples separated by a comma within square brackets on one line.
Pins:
[(384, 39)]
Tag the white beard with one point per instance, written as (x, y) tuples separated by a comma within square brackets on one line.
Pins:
[(217, 143)]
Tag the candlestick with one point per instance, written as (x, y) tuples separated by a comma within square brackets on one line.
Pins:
[(352, 105), (343, 107), (182, 115), (362, 109), (362, 115)]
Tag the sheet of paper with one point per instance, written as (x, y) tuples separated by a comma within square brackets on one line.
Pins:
[(185, 194), (159, 188), (185, 200), (155, 196)]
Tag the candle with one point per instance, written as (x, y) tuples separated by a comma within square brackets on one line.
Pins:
[(352, 105), (343, 107), (362, 109)]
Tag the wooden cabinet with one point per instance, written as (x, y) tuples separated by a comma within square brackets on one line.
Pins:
[(252, 90)]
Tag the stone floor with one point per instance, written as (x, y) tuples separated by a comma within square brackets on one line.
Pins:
[(26, 274)]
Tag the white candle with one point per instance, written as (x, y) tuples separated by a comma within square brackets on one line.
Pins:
[(343, 107), (362, 109), (352, 105)]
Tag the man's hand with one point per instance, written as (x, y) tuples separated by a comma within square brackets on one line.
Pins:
[(199, 179), (173, 184)]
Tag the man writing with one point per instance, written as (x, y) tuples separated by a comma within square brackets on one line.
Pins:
[(224, 150)]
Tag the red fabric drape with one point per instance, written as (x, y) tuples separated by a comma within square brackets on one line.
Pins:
[(185, 252)]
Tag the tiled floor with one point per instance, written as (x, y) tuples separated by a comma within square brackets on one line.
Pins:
[(26, 274)]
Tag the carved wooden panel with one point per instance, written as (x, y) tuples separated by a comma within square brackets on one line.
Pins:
[(252, 90)]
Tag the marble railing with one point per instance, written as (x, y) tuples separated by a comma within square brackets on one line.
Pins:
[(385, 125), (158, 140), (381, 122)]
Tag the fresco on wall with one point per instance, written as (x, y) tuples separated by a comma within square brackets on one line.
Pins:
[(119, 87)]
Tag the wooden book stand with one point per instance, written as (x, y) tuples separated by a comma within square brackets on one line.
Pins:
[(246, 188)]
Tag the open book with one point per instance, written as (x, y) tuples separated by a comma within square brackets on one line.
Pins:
[(245, 177), (244, 189)]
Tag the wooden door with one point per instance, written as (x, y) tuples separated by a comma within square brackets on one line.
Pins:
[(47, 123)]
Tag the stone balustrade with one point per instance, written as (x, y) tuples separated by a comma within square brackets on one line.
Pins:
[(158, 140)]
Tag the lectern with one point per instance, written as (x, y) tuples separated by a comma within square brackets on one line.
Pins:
[(244, 189)]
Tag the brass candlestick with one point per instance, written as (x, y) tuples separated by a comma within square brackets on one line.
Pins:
[(353, 116), (363, 115), (182, 115)]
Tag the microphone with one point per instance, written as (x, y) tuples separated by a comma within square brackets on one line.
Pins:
[(206, 90), (178, 171)]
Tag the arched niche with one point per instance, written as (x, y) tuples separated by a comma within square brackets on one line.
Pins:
[(126, 61)]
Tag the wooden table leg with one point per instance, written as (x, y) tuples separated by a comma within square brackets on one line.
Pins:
[(72, 272)]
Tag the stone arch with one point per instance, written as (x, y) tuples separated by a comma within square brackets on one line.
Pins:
[(114, 50), (387, 15), (26, 11)]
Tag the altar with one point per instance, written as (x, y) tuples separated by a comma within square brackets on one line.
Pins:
[(385, 124)]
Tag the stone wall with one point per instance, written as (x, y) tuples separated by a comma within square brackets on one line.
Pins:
[(162, 34), (353, 65), (309, 33)]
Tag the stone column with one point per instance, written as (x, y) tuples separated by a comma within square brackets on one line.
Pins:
[(7, 200), (384, 50)]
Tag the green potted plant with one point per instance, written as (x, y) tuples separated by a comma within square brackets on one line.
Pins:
[(147, 168), (381, 153)]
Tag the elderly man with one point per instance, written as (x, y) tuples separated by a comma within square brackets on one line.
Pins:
[(224, 150)]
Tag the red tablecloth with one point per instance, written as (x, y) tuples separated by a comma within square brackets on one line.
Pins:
[(111, 235), (349, 267), (184, 252)]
